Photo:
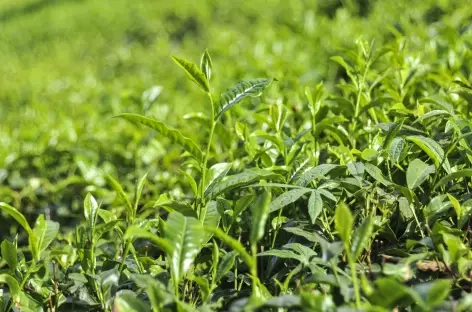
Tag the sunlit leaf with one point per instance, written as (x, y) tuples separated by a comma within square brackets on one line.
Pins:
[(194, 73), (243, 89)]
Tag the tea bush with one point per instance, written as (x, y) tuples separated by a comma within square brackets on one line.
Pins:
[(317, 157)]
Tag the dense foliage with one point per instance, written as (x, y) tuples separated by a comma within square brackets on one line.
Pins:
[(339, 181)]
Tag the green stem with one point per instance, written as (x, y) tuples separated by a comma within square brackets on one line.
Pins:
[(125, 254), (205, 159), (355, 282), (254, 271)]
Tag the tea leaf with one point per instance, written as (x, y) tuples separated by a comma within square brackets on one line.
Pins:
[(315, 206), (417, 173), (13, 286), (212, 218), (194, 73), (206, 65), (15, 214), (173, 135), (239, 180), (234, 244), (226, 263), (432, 149), (135, 232), (361, 237), (240, 91), (454, 175), (9, 254), (314, 173), (260, 212), (45, 231), (343, 222), (287, 198), (90, 209), (185, 236), (119, 191)]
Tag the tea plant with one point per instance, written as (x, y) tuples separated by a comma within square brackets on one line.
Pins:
[(359, 200)]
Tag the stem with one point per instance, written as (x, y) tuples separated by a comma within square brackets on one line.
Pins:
[(254, 270), (125, 254), (352, 265), (205, 159)]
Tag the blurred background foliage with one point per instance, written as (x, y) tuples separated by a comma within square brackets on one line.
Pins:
[(67, 67)]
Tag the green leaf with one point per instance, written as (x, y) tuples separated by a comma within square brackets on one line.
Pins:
[(18, 216), (137, 194), (135, 232), (15, 214), (287, 198), (212, 218), (234, 244), (432, 113), (226, 263), (45, 231), (185, 236), (315, 173), (433, 293), (376, 173), (284, 254), (206, 65), (361, 237), (244, 178), (119, 191), (216, 173), (101, 229), (417, 173), (191, 181), (395, 150), (432, 149), (13, 286), (193, 72), (454, 175), (240, 91), (260, 212), (172, 134), (356, 169), (9, 254), (127, 301), (315, 206), (90, 210), (343, 222)]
